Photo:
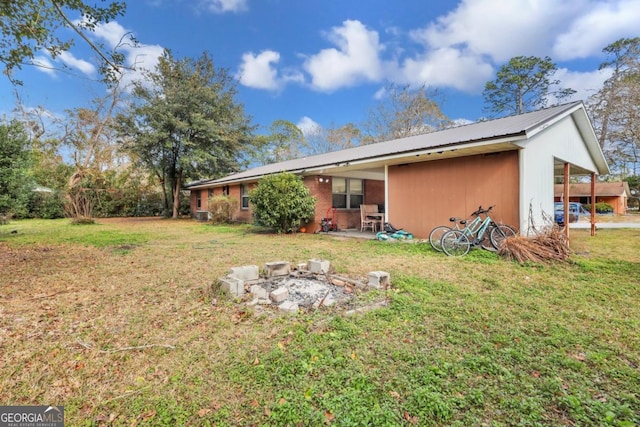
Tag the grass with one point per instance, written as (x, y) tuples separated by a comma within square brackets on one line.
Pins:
[(117, 321)]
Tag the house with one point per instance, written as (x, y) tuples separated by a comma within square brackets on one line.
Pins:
[(615, 194), (420, 181)]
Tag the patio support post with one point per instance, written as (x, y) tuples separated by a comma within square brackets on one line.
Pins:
[(593, 203), (385, 218), (565, 199)]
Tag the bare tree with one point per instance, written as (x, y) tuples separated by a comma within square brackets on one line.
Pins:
[(615, 108), (404, 111), (90, 135)]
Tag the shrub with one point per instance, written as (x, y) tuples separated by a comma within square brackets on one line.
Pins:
[(282, 202), (47, 205), (601, 208), (222, 209), (604, 208)]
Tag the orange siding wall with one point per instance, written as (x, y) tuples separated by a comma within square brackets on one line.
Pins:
[(424, 195)]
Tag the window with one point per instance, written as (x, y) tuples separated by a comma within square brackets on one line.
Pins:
[(210, 192), (198, 200), (244, 196), (347, 193)]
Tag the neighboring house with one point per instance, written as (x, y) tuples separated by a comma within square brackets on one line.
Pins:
[(421, 181), (614, 193)]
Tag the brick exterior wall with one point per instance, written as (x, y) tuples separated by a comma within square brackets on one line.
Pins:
[(345, 218)]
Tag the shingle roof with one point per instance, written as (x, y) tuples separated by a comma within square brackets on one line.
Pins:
[(602, 189), (522, 125)]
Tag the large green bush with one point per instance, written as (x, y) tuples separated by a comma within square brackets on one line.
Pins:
[(282, 202), (48, 205), (15, 162)]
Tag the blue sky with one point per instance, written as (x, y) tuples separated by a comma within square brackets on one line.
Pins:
[(325, 62)]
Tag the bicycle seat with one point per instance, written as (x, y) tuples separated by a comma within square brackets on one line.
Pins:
[(453, 219), (463, 221)]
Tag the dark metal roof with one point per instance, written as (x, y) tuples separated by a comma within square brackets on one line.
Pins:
[(515, 127)]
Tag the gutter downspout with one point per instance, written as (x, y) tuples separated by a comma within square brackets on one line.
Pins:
[(385, 218)]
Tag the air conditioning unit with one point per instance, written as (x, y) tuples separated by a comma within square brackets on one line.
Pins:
[(202, 215)]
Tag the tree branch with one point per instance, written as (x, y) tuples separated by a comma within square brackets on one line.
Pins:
[(75, 28)]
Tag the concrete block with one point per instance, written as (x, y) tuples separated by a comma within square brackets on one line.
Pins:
[(319, 266), (328, 302), (248, 273), (379, 279), (289, 307), (279, 294), (259, 292), (233, 286), (302, 266), (277, 268)]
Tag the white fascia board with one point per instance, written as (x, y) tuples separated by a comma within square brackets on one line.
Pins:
[(411, 154), (552, 121), (581, 119), (385, 158)]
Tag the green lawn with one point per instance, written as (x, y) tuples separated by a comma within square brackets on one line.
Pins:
[(118, 322)]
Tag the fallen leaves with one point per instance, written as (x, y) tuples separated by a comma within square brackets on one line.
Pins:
[(204, 412)]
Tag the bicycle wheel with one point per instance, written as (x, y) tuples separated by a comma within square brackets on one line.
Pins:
[(436, 236), (455, 243), (485, 243), (499, 233)]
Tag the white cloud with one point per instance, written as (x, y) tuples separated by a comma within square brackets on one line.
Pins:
[(501, 30), (380, 93), (139, 58), (223, 6), (308, 126), (111, 32), (259, 72), (601, 25), (584, 83), (83, 66), (446, 67), (461, 49), (44, 64), (256, 71), (355, 60)]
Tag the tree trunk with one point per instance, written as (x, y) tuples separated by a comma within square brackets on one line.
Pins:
[(176, 196)]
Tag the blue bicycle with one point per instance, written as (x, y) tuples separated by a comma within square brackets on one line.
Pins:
[(480, 232)]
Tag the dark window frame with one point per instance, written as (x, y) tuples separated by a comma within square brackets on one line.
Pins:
[(244, 197), (348, 194)]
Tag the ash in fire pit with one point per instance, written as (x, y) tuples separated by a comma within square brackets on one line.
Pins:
[(309, 290), (310, 285)]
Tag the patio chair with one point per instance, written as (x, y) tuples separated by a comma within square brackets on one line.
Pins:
[(370, 218)]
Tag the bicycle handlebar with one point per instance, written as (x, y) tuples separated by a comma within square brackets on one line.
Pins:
[(481, 211)]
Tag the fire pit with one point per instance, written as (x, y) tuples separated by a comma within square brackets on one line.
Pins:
[(309, 285)]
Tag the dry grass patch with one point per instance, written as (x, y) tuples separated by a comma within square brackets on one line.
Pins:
[(117, 322)]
